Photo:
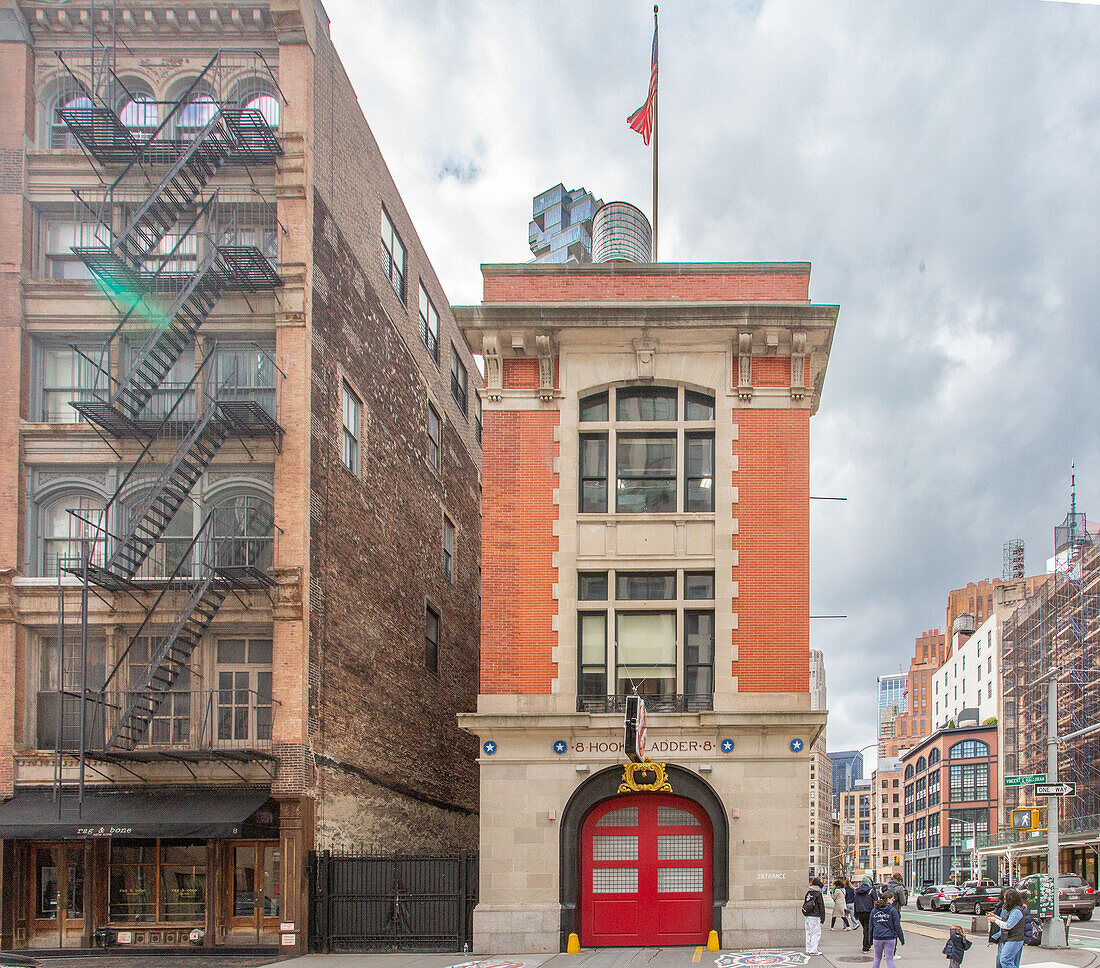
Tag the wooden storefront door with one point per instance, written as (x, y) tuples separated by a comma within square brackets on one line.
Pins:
[(56, 901), (254, 901)]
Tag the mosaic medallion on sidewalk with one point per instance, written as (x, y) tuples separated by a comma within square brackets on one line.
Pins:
[(772, 958), (488, 963)]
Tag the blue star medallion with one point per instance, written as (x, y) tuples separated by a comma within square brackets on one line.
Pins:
[(796, 746), (560, 747), (490, 747), (727, 746)]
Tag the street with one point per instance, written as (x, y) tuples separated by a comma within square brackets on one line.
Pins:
[(1082, 934)]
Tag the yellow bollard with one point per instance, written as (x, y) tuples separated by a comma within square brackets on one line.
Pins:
[(712, 941), (573, 946)]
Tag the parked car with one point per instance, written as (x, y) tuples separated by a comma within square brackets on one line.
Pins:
[(936, 897), (977, 897), (1075, 896)]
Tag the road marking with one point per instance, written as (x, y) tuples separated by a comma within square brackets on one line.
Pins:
[(698, 953)]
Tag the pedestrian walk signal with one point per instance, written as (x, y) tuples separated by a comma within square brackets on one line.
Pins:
[(1025, 818)]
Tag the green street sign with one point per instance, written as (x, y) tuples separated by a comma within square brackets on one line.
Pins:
[(1025, 780)]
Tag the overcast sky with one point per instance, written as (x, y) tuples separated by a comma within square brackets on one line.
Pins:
[(937, 162)]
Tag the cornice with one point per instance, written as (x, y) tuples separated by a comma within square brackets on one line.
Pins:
[(644, 268)]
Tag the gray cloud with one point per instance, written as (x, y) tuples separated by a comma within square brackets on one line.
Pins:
[(936, 161)]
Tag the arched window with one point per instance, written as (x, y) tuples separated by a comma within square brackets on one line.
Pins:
[(267, 105), (140, 113), (244, 532), (922, 765), (933, 757), (640, 457), (60, 135), (62, 534), (169, 549), (967, 749), (909, 772), (194, 116)]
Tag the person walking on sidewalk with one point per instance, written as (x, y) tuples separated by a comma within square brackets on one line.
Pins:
[(840, 906), (1010, 929), (865, 901), (850, 901), (813, 910), (885, 929)]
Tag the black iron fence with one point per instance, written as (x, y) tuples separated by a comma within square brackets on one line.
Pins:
[(364, 902)]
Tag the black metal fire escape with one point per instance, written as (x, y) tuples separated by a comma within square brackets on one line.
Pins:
[(145, 226)]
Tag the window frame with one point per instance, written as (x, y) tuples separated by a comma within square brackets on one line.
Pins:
[(450, 570), (435, 444), (429, 336), (460, 375), (397, 276), (431, 646), (351, 457)]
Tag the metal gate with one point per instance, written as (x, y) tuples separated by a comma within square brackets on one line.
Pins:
[(361, 902)]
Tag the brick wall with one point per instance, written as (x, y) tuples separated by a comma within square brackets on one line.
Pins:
[(654, 283), (773, 543), (376, 553), (518, 544)]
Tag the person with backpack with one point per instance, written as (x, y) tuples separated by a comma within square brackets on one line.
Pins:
[(957, 943), (865, 901), (850, 903), (1010, 929), (1033, 934), (813, 910), (886, 929)]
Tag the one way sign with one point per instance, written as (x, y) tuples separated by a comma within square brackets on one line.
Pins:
[(1056, 789)]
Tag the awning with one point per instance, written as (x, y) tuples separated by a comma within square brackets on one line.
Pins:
[(194, 812)]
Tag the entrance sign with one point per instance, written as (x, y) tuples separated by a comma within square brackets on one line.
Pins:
[(634, 736), (1068, 789), (1025, 779)]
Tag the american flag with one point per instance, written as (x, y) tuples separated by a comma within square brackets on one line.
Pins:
[(642, 119)]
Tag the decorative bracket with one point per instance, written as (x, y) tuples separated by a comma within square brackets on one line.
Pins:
[(647, 768), (546, 368), (494, 376), (645, 358), (798, 366), (744, 366)]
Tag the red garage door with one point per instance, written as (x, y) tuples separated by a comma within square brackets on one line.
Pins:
[(646, 872)]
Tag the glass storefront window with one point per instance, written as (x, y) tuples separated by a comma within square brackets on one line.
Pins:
[(131, 883), (182, 881), (45, 881), (244, 880), (271, 881)]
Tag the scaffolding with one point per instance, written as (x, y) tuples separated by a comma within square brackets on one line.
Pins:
[(165, 245), (1058, 626), (1013, 560)]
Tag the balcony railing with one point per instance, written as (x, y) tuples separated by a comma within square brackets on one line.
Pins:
[(653, 704), (192, 720)]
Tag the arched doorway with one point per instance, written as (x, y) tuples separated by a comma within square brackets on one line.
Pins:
[(646, 872)]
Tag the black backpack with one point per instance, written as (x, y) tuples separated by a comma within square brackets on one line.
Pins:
[(809, 904)]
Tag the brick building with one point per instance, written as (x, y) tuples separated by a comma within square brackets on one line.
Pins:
[(916, 722), (238, 419), (886, 818), (645, 526), (950, 788), (856, 821)]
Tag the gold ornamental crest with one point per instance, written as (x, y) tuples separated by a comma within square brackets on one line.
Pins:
[(645, 777)]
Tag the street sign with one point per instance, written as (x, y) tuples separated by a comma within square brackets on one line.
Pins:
[(848, 828), (1056, 789), (968, 844), (1025, 780)]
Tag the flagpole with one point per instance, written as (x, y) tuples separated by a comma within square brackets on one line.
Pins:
[(655, 95)]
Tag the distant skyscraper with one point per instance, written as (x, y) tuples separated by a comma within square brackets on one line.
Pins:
[(891, 704), (847, 768), (818, 698), (561, 224)]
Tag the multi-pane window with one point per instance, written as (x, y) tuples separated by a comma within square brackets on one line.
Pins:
[(138, 866), (909, 798), (458, 381), (964, 824), (243, 699), (448, 549), (61, 236), (431, 639), (393, 257), (934, 829), (969, 781), (933, 788), (429, 323), (68, 524), (919, 793), (644, 444), (353, 418), (171, 722), (646, 635), (433, 437), (968, 749), (67, 376)]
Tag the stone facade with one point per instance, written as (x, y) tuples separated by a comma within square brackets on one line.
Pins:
[(746, 338)]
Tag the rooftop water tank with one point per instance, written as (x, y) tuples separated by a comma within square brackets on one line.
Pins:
[(620, 233)]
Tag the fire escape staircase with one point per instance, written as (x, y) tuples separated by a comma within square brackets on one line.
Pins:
[(198, 585)]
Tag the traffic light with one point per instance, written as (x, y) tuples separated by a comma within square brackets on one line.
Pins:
[(1025, 818)]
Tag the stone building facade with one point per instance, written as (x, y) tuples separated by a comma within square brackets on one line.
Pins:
[(646, 528), (331, 515)]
